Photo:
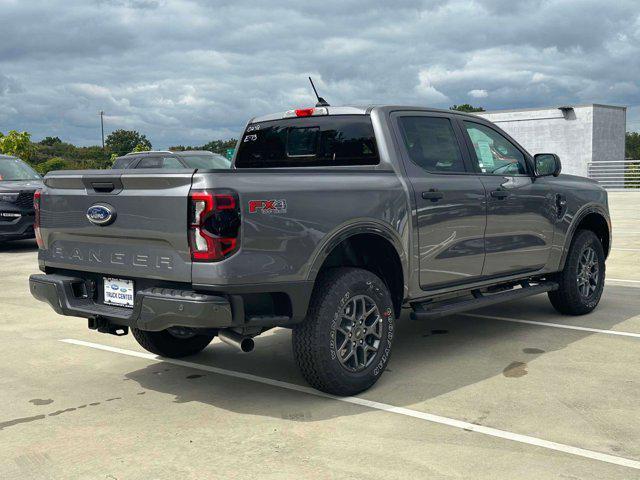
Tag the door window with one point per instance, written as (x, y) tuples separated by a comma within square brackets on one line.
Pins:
[(495, 154), (432, 144)]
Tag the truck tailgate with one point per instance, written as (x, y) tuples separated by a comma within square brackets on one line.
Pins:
[(147, 237)]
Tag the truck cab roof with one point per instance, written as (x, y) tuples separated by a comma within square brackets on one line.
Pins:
[(362, 110), (170, 152)]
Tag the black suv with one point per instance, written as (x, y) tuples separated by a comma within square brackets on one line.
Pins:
[(200, 159), (18, 182)]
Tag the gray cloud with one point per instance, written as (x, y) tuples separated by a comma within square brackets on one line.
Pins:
[(188, 71)]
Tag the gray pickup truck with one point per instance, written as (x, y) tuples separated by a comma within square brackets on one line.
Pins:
[(331, 222)]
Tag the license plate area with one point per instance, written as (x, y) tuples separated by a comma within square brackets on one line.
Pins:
[(118, 292)]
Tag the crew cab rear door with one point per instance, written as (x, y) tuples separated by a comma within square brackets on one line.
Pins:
[(146, 235), (449, 198)]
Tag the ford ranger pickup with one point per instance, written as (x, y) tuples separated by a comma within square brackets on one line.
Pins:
[(331, 221)]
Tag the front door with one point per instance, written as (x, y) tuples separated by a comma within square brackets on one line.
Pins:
[(521, 210), (449, 198)]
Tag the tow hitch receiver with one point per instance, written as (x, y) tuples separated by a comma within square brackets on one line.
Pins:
[(103, 325)]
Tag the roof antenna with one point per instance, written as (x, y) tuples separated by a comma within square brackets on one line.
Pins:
[(321, 101)]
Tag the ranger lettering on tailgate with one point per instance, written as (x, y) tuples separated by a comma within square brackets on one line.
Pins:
[(99, 256)]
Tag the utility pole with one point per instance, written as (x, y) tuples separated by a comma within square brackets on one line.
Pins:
[(102, 128)]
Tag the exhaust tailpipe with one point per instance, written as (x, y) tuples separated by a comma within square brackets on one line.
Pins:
[(241, 342)]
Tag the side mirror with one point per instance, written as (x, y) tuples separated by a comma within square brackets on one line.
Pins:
[(547, 164)]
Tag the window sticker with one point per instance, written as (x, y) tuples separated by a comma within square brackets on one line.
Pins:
[(485, 154)]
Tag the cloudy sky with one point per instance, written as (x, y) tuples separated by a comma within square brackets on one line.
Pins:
[(189, 71)]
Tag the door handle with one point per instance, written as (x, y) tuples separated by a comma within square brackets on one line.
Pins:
[(433, 195), (499, 194), (103, 187)]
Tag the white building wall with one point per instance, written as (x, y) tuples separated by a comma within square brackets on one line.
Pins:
[(579, 136), (609, 126)]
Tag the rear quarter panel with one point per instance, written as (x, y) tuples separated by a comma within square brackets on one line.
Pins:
[(321, 205)]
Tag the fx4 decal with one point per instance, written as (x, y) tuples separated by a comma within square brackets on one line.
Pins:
[(268, 206)]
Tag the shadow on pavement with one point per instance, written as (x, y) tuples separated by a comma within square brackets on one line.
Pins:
[(18, 246), (429, 359)]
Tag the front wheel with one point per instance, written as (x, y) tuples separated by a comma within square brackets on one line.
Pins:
[(173, 342), (582, 281), (344, 343)]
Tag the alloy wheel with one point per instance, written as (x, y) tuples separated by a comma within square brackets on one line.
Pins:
[(358, 333), (588, 272)]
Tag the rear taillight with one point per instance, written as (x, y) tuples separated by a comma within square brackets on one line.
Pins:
[(36, 222), (214, 224)]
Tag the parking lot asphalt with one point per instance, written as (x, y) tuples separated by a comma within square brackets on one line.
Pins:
[(480, 395)]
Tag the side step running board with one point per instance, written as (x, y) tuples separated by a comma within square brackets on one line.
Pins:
[(428, 311)]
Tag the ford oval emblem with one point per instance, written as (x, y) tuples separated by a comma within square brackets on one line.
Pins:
[(101, 214)]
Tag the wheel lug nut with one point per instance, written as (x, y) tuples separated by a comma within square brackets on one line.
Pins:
[(360, 342)]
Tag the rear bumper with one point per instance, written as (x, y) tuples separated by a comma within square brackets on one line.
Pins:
[(155, 308)]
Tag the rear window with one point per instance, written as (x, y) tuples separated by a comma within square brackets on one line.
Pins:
[(123, 162), (309, 142), (159, 162), (203, 160)]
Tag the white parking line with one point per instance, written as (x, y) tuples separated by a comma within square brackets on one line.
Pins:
[(626, 249), (493, 432), (553, 325), (618, 281)]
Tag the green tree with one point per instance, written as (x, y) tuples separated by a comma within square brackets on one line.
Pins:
[(465, 107), (55, 163), (219, 146), (50, 141), (632, 145), (17, 144), (141, 147), (122, 142)]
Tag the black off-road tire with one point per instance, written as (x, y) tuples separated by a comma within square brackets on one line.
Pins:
[(314, 340), (568, 299), (165, 344)]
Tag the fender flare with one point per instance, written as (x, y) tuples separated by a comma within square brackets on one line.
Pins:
[(344, 232), (571, 231)]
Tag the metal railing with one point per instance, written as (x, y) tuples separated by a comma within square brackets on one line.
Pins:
[(616, 175)]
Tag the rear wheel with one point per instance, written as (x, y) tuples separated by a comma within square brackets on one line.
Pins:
[(173, 342), (582, 281), (344, 343)]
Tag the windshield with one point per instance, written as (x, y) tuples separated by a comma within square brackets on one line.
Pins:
[(202, 160), (309, 142), (16, 169)]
